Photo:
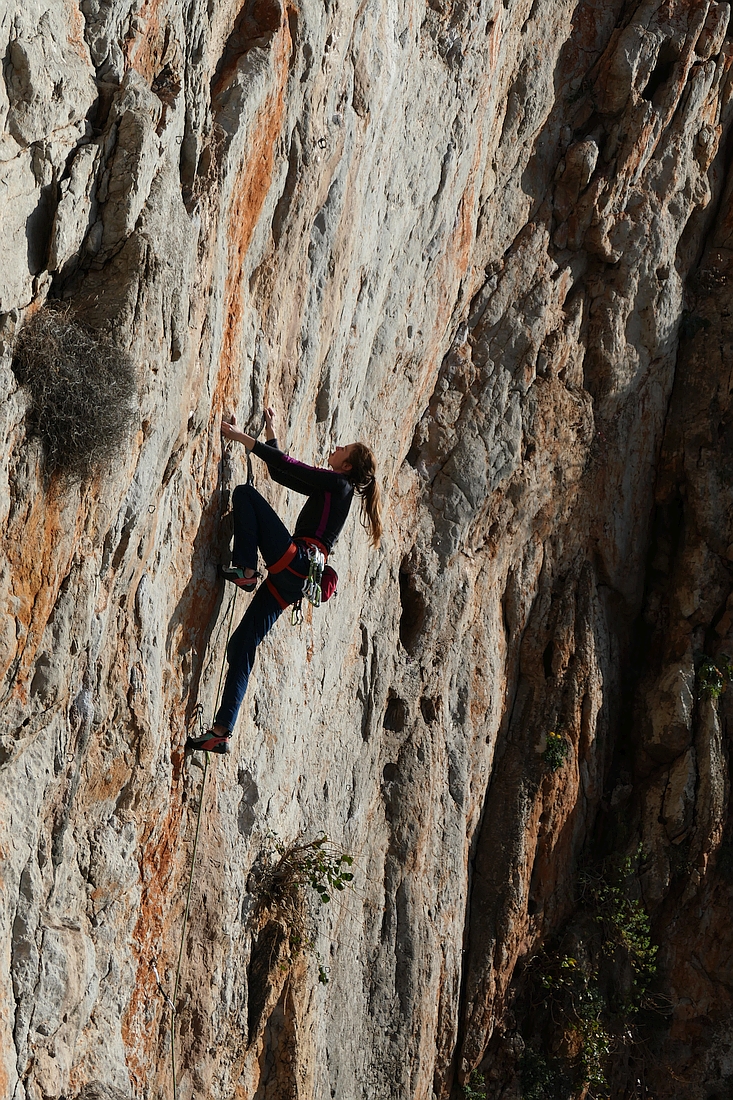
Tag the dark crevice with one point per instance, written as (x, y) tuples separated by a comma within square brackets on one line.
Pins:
[(414, 610), (428, 709), (667, 58), (547, 660), (395, 716), (265, 954)]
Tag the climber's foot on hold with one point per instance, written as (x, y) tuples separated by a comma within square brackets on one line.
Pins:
[(243, 578), (214, 740)]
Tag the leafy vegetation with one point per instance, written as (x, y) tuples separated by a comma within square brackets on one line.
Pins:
[(540, 1078), (713, 676), (556, 750), (280, 882), (475, 1087), (592, 986), (623, 918)]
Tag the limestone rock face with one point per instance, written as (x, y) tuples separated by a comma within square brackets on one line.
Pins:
[(493, 240)]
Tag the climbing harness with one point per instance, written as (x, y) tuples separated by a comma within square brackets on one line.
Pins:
[(174, 1000), (311, 589)]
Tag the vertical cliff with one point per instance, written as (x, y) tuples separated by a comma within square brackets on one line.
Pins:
[(492, 240)]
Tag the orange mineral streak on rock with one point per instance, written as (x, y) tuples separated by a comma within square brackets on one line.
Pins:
[(554, 843), (75, 23), (40, 545), (103, 782), (248, 197), (156, 937), (144, 49)]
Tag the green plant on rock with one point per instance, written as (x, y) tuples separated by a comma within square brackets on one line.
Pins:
[(475, 1088), (571, 987), (596, 1040), (624, 920), (713, 676), (594, 995), (82, 388), (556, 751), (281, 880), (320, 864), (539, 1077)]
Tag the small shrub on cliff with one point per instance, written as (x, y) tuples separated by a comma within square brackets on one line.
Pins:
[(82, 390), (280, 882), (713, 676), (578, 1007), (475, 1088), (589, 991), (556, 750), (540, 1079), (624, 920)]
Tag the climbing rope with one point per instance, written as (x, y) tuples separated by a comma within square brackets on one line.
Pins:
[(173, 1002), (183, 933)]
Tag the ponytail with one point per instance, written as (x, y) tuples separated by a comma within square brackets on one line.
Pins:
[(363, 477)]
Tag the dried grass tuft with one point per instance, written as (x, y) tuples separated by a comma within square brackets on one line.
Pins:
[(83, 391), (280, 882)]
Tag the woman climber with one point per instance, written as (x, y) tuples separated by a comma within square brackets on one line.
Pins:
[(287, 558)]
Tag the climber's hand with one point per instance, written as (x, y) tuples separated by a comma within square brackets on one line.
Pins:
[(270, 422), (230, 430)]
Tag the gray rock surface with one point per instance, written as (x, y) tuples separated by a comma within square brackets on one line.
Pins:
[(466, 233)]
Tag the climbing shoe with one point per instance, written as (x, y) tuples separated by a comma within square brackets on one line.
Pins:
[(210, 742), (236, 575)]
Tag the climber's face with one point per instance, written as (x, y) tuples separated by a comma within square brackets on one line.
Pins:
[(338, 460)]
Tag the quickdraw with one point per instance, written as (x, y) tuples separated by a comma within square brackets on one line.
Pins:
[(311, 585)]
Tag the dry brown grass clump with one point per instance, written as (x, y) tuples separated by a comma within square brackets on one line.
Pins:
[(280, 883), (82, 388)]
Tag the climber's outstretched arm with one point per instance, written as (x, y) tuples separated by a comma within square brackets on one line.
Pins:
[(230, 430)]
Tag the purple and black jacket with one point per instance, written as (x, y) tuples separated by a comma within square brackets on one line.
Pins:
[(329, 494)]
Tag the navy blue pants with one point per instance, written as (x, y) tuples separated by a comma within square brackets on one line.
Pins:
[(257, 527)]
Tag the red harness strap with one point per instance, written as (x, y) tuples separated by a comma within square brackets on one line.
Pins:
[(284, 561), (280, 566), (283, 603)]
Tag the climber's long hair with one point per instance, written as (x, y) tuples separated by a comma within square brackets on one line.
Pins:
[(363, 476)]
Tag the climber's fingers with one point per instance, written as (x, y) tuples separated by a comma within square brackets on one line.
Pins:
[(229, 428)]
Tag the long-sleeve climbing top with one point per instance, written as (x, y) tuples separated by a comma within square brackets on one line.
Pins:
[(329, 494)]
